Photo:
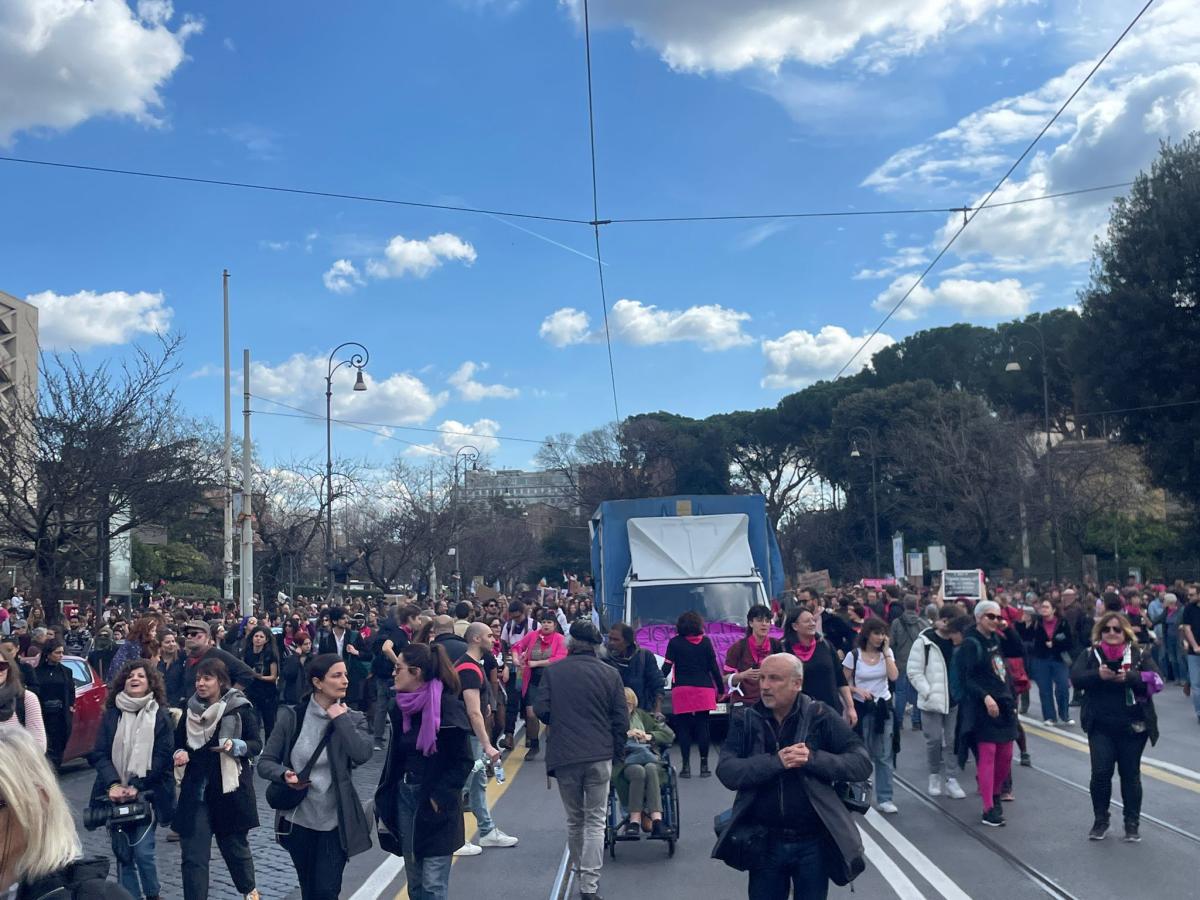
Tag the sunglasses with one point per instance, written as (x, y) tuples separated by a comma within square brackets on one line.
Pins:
[(1112, 629), (3, 666), (990, 616)]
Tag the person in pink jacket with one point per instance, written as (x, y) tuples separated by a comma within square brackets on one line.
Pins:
[(533, 653)]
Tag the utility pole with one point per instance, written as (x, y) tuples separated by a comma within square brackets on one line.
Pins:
[(247, 495), (227, 592)]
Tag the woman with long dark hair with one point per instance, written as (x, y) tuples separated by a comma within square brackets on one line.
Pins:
[(55, 687), (217, 736), (869, 668), (132, 756), (824, 679), (533, 653), (698, 682), (419, 798), (1050, 651), (1118, 678), (262, 657), (324, 737)]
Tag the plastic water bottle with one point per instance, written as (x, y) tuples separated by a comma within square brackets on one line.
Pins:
[(498, 770)]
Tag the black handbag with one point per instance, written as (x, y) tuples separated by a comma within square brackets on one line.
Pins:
[(283, 797), (743, 846)]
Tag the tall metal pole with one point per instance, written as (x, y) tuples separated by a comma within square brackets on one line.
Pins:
[(875, 511), (1049, 468), (227, 592), (329, 486), (247, 495)]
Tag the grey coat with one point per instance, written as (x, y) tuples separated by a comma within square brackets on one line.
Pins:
[(349, 747), (750, 763), (582, 699)]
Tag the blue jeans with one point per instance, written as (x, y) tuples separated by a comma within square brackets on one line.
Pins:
[(879, 745), (791, 865), (1053, 680), (906, 694), (1193, 665), (428, 877), (136, 845), (477, 791)]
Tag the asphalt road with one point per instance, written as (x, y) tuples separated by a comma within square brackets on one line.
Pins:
[(931, 849)]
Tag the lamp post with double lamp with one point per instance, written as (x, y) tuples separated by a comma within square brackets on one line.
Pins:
[(356, 359), (1014, 366), (466, 454), (854, 454)]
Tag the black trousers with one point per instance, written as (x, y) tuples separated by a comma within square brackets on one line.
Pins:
[(1120, 750), (58, 732), (692, 728), (319, 861), (196, 850)]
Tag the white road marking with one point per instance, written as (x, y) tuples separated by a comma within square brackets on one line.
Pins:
[(942, 883), (374, 886), (1181, 771), (562, 878), (892, 873)]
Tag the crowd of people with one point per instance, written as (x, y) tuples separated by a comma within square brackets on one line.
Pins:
[(203, 702)]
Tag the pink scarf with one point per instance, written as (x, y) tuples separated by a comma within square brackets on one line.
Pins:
[(1049, 624), (803, 652), (1113, 652), (758, 654), (427, 702), (693, 639)]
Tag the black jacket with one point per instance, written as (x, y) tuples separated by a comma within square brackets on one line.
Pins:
[(640, 673), (981, 673), (750, 764), (435, 832), (230, 813), (291, 676), (161, 777), (239, 673), (455, 647), (84, 879), (349, 747), (582, 699), (357, 667), (1106, 704), (1063, 642), (55, 689)]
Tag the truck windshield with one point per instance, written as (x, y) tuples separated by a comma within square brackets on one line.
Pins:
[(662, 604)]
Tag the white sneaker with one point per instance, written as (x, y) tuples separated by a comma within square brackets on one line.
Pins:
[(954, 789), (888, 807), (935, 785), (1049, 723), (468, 849), (497, 838), (1069, 722)]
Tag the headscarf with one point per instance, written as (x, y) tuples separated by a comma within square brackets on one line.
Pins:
[(427, 702), (133, 744)]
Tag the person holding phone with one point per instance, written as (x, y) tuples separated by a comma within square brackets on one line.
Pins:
[(869, 669), (217, 736), (744, 659), (329, 826), (1118, 678)]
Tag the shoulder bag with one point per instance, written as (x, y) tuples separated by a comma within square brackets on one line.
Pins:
[(284, 797)]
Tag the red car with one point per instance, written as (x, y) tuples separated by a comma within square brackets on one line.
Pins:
[(90, 694)]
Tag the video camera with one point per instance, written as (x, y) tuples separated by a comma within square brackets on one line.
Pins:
[(119, 815)]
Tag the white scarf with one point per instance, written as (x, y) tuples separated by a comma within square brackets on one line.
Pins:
[(203, 721), (133, 744)]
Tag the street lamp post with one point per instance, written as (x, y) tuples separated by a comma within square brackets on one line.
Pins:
[(467, 454), (357, 360), (1014, 366), (854, 454)]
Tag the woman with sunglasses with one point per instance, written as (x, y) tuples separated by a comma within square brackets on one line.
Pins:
[(988, 711), (419, 799), (1118, 679)]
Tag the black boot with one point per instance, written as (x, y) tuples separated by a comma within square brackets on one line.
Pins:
[(704, 773), (533, 748), (685, 771)]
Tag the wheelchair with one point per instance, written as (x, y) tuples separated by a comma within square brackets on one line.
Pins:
[(669, 787)]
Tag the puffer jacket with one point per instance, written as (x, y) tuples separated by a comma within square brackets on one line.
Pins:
[(84, 879), (927, 673)]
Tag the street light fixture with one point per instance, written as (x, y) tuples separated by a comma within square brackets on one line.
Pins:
[(467, 454), (855, 454), (1014, 366), (357, 360)]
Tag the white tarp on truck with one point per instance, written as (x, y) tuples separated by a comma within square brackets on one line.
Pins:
[(665, 549)]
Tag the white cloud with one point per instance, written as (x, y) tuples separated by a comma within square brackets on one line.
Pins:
[(64, 62), (712, 327), (1148, 91), (88, 319), (565, 326), (454, 435), (469, 389), (799, 358), (400, 398), (1006, 298), (724, 36), (342, 277), (419, 258)]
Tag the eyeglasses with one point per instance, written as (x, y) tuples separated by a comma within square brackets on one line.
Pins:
[(1112, 629), (990, 616)]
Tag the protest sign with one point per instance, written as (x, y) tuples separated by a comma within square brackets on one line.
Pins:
[(818, 581), (963, 583)]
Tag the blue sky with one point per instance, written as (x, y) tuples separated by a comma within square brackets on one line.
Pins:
[(490, 324)]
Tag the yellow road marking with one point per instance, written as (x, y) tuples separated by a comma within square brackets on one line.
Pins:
[(512, 765), (1147, 770)]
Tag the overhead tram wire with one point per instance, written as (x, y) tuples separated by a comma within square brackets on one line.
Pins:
[(968, 219), (596, 223), (279, 189)]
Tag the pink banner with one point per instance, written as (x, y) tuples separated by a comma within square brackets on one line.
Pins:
[(877, 583), (723, 635)]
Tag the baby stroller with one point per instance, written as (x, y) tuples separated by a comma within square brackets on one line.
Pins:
[(614, 833)]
